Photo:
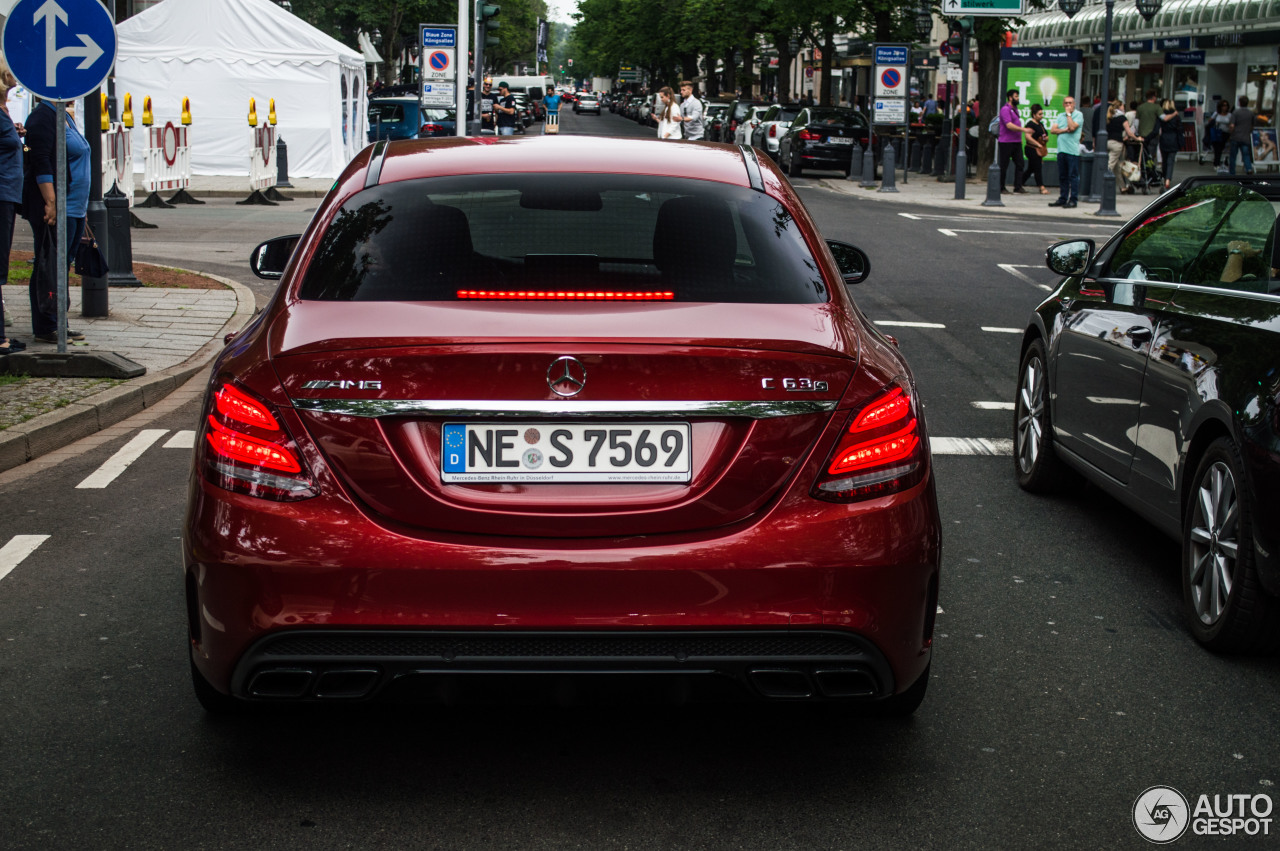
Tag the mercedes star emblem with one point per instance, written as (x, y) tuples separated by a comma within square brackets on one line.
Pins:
[(566, 376)]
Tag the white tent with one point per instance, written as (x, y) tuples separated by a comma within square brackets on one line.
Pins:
[(220, 54)]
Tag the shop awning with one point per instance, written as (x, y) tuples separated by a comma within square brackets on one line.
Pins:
[(1176, 18)]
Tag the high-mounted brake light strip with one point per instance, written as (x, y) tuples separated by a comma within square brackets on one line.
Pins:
[(564, 295)]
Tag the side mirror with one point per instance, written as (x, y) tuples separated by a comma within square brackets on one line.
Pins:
[(1070, 258), (852, 261), (269, 259)]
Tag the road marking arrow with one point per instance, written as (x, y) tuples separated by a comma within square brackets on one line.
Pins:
[(88, 51)]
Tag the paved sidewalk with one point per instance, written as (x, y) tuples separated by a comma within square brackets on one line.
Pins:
[(924, 189), (174, 333)]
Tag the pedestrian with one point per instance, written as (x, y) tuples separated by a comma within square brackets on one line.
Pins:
[(1037, 147), (668, 115), (40, 207), (486, 106), (1220, 133), (1086, 125), (1068, 128), (930, 106), (1010, 138), (1148, 124), (1119, 134), (10, 191), (504, 110), (551, 101), (1242, 136), (1170, 138), (690, 114)]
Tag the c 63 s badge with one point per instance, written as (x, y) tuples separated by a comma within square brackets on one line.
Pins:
[(794, 385)]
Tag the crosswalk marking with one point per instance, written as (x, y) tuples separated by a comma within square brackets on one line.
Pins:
[(971, 446), (1014, 269), (993, 406), (181, 440), (18, 548), (992, 329), (127, 454)]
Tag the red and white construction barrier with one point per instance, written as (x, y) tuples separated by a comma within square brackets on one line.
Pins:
[(262, 157), (167, 163), (117, 160)]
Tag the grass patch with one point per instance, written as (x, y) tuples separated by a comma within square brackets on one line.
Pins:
[(7, 380)]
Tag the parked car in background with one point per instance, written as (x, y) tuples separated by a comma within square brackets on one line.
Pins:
[(773, 124), (587, 103), (1153, 371), (451, 463), (738, 112), (395, 118), (712, 119), (742, 135), (822, 137), (437, 121)]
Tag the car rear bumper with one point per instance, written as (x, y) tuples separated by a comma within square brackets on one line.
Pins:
[(254, 574), (462, 666)]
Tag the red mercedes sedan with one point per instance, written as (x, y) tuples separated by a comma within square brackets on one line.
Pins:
[(455, 460)]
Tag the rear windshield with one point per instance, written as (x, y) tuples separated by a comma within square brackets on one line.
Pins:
[(387, 113), (836, 117), (447, 238)]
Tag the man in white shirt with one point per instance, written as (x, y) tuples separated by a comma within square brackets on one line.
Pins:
[(690, 112)]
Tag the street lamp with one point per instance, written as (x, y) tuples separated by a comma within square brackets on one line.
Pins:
[(1148, 9), (1070, 7), (924, 23)]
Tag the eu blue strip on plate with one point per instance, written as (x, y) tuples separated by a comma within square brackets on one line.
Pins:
[(455, 441)]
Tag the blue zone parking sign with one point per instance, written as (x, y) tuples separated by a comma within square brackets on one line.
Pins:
[(60, 49)]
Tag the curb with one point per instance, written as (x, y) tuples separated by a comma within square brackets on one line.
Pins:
[(48, 432), (293, 194)]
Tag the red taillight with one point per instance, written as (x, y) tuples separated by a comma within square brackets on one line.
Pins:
[(809, 136), (733, 125), (565, 295), (773, 131), (431, 129), (880, 452), (247, 449)]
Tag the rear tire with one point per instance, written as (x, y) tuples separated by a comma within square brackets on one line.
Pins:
[(794, 169), (1038, 467), (1226, 606)]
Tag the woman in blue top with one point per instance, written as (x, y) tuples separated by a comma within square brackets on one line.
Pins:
[(40, 203), (10, 191)]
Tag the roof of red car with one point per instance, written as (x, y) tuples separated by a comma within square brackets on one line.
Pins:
[(543, 154)]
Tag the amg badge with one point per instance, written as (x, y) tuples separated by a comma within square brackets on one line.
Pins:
[(342, 384)]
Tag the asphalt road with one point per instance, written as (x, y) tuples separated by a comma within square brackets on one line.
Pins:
[(1064, 683)]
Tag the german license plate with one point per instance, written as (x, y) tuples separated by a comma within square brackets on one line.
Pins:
[(577, 452), (840, 140)]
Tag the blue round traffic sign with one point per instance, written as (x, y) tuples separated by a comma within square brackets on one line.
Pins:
[(439, 60), (60, 50), (890, 78)]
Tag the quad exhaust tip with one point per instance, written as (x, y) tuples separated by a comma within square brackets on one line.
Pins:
[(295, 683), (796, 684)]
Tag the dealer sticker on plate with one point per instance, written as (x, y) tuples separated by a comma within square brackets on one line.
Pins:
[(578, 452)]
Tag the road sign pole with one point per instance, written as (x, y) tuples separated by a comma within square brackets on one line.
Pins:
[(60, 223), (93, 291), (464, 77), (962, 143)]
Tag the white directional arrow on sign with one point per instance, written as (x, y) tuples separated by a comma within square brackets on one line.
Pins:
[(88, 51)]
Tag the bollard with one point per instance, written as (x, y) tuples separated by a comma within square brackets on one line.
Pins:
[(868, 168), (942, 158), (119, 240), (993, 187), (1086, 175), (917, 156), (282, 164), (887, 168), (926, 156), (855, 162)]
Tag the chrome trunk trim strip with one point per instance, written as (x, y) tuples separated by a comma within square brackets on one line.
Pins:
[(494, 409)]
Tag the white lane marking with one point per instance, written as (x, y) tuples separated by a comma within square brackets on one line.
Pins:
[(940, 611), (993, 406), (127, 454), (900, 324), (1012, 269), (946, 232), (18, 548), (181, 440), (996, 330), (971, 446), (909, 216), (1046, 235)]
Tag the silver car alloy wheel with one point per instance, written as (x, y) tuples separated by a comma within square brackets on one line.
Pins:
[(1214, 529), (1030, 414)]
